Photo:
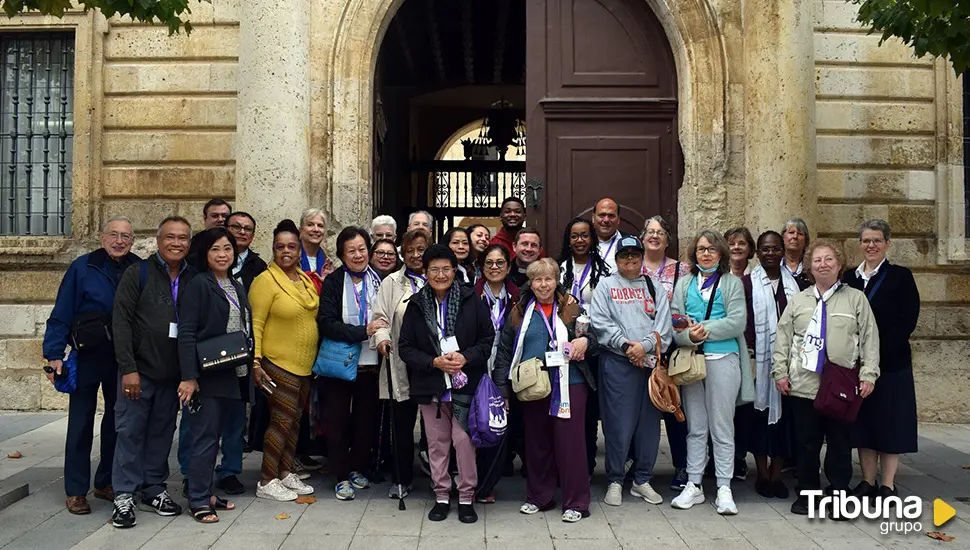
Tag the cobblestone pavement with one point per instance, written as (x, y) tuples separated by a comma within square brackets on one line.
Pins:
[(373, 522)]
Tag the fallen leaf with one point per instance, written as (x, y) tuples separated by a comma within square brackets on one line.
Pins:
[(936, 535), (306, 500), (284, 515), (966, 466), (15, 455)]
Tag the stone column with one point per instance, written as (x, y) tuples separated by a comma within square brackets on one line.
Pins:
[(272, 146), (779, 113)]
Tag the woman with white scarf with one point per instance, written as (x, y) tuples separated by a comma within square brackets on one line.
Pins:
[(347, 315), (767, 290), (826, 326)]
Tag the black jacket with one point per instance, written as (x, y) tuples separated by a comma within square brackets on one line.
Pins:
[(895, 305), (204, 314), (330, 316), (251, 268), (416, 345), (141, 318)]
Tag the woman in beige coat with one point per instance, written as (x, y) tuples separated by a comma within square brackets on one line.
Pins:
[(827, 325), (391, 305)]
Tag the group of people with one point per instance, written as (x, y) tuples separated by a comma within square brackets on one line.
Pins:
[(422, 324)]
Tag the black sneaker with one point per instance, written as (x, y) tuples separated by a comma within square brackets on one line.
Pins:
[(123, 515), (310, 464), (780, 489), (162, 505), (800, 506), (865, 489), (440, 511), (467, 514), (231, 485), (680, 479), (740, 469), (247, 448), (764, 488)]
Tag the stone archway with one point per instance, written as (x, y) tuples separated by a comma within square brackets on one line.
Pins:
[(342, 103)]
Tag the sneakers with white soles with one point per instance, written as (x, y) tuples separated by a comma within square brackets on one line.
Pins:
[(571, 516), (647, 493), (691, 495), (274, 490), (614, 494), (295, 484), (725, 502), (528, 509)]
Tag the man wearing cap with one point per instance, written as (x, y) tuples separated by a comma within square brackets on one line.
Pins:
[(631, 319), (606, 223)]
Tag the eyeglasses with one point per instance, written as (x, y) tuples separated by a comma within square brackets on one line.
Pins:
[(384, 254), (770, 250), (655, 233), (123, 237), (707, 250), (578, 236), (244, 229), (435, 271), (495, 263), (291, 246), (877, 242)]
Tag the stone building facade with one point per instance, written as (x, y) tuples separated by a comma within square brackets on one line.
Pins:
[(784, 108)]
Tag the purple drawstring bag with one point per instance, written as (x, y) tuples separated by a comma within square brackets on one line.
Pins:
[(486, 417)]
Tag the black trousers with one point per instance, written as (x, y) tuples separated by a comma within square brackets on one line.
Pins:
[(811, 429), (93, 371), (204, 431), (402, 462)]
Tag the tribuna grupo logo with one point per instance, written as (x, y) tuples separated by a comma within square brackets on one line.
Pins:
[(898, 515)]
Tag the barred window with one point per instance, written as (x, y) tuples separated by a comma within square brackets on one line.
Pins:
[(36, 132)]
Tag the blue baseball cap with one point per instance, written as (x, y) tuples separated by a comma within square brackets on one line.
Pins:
[(629, 244)]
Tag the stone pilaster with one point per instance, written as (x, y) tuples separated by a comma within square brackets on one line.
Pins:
[(272, 146), (779, 113)]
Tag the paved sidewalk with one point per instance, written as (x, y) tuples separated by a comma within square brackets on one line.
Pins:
[(373, 522)]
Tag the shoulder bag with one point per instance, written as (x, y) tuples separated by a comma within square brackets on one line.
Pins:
[(224, 352), (687, 363), (337, 359), (838, 394), (530, 381), (90, 330), (663, 393)]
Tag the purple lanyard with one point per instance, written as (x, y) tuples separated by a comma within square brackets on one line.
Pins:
[(443, 316), (231, 299), (606, 254), (361, 298), (411, 277), (551, 329), (496, 319), (175, 295), (823, 353), (578, 285)]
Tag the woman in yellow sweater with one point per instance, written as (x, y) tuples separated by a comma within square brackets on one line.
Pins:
[(285, 303)]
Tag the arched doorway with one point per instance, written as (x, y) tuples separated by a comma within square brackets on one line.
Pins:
[(651, 113)]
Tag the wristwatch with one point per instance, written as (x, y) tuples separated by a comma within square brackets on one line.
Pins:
[(625, 346)]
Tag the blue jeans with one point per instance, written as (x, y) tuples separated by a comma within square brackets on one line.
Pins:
[(232, 441)]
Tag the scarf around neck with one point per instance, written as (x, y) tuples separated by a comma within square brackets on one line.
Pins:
[(304, 294), (305, 261), (813, 345), (429, 306), (766, 312)]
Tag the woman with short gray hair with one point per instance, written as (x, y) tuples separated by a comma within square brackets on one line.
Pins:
[(712, 300), (886, 426), (796, 240)]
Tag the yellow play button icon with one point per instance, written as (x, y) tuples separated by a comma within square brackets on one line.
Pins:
[(942, 512)]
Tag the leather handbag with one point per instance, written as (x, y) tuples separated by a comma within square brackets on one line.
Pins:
[(529, 380), (687, 363), (90, 330), (337, 359), (838, 394), (663, 392), (224, 352)]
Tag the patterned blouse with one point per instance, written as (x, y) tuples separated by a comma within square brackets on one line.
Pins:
[(665, 274)]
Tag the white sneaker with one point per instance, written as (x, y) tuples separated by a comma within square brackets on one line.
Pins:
[(647, 493), (691, 495), (295, 484), (274, 490), (725, 502), (528, 509), (571, 516), (614, 494)]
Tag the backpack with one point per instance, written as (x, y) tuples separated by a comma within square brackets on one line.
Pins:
[(487, 419)]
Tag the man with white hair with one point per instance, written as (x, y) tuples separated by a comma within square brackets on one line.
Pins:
[(421, 220), (81, 318), (383, 227)]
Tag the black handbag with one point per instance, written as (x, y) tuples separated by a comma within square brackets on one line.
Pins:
[(90, 330), (224, 352)]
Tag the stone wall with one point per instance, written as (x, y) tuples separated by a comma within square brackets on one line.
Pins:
[(158, 140), (882, 119)]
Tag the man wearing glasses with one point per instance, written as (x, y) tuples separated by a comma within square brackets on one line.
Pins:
[(249, 265), (81, 318)]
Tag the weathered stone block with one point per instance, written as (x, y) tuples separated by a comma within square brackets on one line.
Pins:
[(951, 320), (877, 184), (845, 218), (19, 390), (855, 116), (154, 42), (926, 324), (958, 287), (22, 353), (175, 112), (144, 214), (124, 182), (886, 151), (847, 48), (942, 379), (50, 398), (17, 320), (909, 252), (836, 15), (29, 286), (909, 219), (847, 82), (932, 286), (153, 146), (209, 76)]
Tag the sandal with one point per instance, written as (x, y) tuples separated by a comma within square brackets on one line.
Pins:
[(202, 512), (219, 503)]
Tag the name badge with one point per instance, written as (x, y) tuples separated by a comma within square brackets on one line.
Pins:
[(173, 330), (449, 345), (555, 359)]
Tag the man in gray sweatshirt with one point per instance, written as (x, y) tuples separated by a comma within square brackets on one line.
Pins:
[(625, 312)]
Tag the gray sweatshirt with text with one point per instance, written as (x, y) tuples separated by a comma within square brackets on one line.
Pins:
[(624, 311)]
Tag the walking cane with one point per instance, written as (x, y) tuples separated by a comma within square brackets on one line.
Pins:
[(394, 457)]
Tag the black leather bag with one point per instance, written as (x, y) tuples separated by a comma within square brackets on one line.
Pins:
[(224, 352), (90, 330)]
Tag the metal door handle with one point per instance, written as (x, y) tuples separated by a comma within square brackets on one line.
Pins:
[(533, 194)]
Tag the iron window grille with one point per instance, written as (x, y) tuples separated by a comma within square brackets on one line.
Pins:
[(36, 132)]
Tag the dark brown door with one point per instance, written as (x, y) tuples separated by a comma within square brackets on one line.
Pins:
[(601, 89)]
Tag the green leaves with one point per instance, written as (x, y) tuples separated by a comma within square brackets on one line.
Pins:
[(166, 12), (935, 27)]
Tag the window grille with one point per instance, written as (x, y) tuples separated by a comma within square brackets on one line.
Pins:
[(36, 133)]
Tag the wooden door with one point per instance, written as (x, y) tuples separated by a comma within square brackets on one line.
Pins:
[(601, 93)]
